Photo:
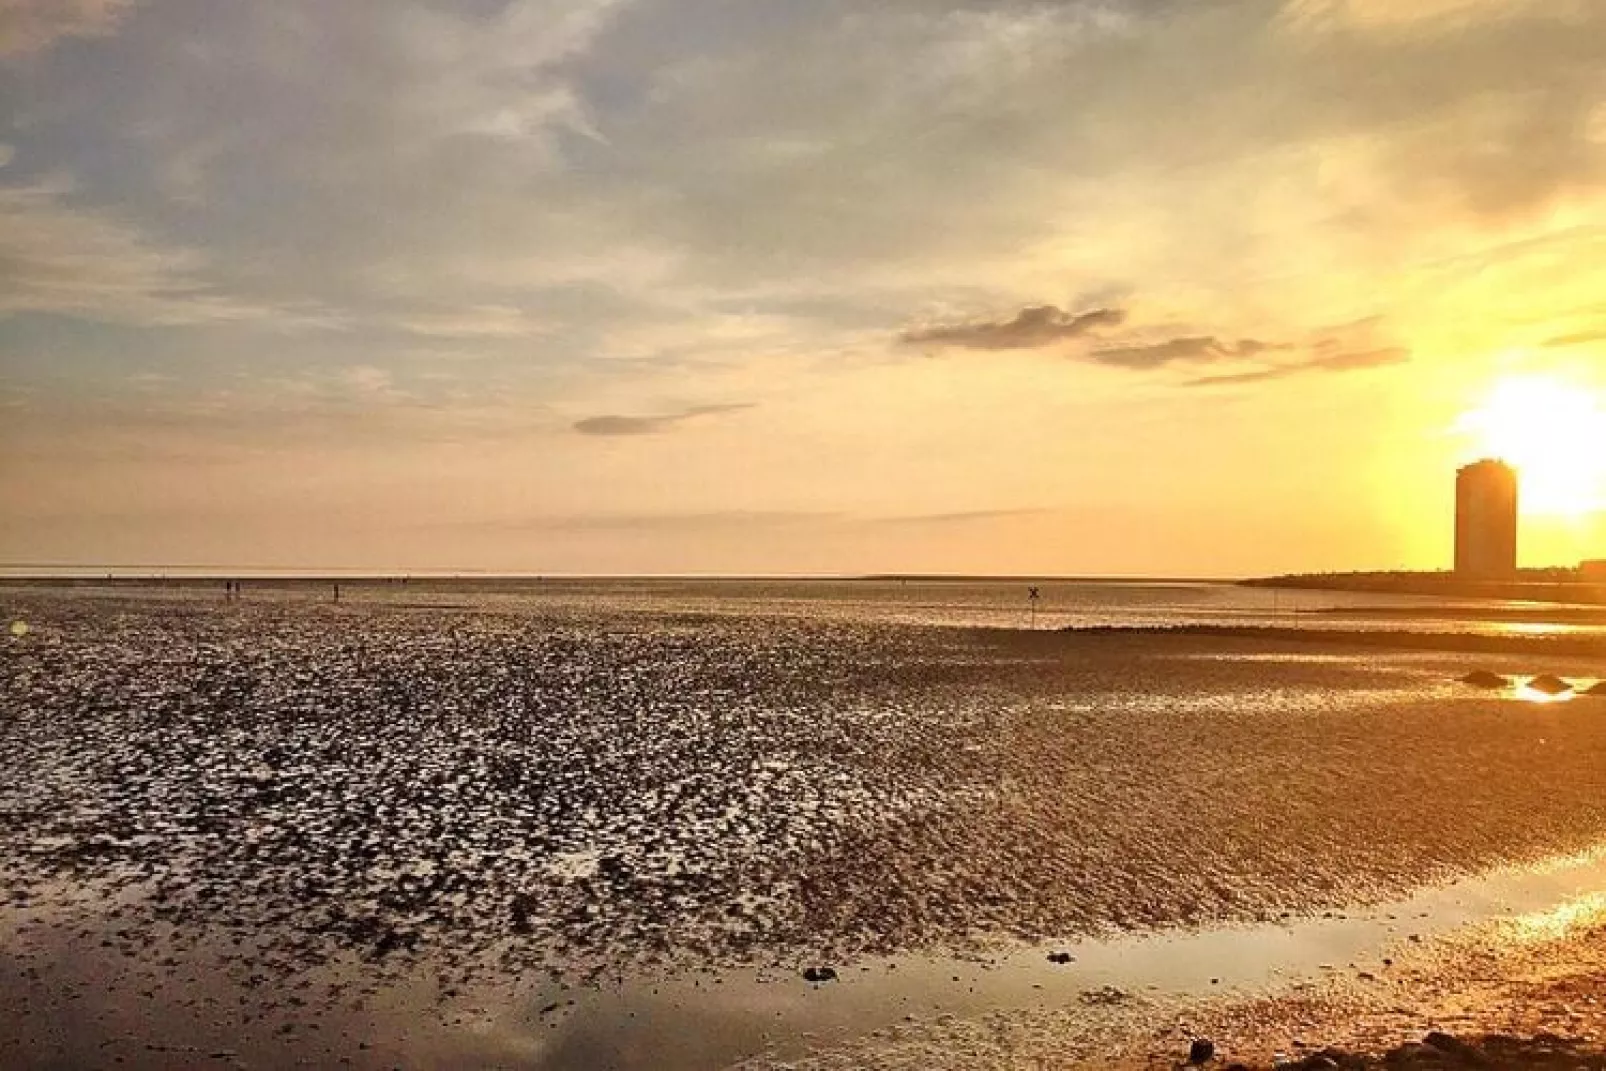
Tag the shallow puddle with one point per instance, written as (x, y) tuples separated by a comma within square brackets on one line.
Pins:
[(708, 1019)]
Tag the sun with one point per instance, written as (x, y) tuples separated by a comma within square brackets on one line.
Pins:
[(1554, 432)]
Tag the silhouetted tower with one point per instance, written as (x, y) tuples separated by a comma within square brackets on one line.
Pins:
[(1486, 520)]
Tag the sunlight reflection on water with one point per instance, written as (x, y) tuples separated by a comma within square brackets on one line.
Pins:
[(1525, 693), (1534, 628), (1559, 921)]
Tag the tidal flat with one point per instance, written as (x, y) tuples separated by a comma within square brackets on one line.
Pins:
[(445, 831)]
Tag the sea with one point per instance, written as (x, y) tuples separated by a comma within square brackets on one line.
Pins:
[(994, 603)]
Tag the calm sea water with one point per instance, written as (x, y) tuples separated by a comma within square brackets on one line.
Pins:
[(986, 603)]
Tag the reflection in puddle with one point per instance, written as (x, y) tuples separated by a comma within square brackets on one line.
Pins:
[(1533, 628), (1526, 693), (712, 1018)]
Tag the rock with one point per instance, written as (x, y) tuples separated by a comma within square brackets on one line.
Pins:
[(1060, 957), (1546, 684), (1482, 678), (1598, 688), (520, 908), (1202, 1051), (1411, 1052), (819, 974), (1103, 996), (1449, 1044), (393, 939)]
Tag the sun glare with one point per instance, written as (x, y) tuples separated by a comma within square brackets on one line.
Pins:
[(1554, 432)]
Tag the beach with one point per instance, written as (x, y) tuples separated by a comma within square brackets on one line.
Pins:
[(436, 827)]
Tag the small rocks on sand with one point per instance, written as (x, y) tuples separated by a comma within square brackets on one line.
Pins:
[(1547, 684)]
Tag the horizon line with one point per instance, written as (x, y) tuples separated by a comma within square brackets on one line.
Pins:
[(169, 571)]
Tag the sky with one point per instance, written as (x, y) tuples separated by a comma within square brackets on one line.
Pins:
[(1164, 287)]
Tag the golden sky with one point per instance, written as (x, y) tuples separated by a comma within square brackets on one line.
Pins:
[(1215, 287)]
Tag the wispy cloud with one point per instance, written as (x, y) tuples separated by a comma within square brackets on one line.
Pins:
[(28, 26), (974, 516), (1391, 16), (1348, 361), (1576, 338), (667, 521), (473, 322), (741, 518), (1179, 350), (58, 258), (650, 425), (1032, 328)]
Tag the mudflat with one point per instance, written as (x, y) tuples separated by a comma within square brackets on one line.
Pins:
[(255, 831)]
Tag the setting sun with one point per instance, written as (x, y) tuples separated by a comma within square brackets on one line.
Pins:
[(1554, 432)]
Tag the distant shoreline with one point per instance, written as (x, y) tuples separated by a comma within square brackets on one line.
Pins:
[(1566, 645), (1541, 585), (179, 574)]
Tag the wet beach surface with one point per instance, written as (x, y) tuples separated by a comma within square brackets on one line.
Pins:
[(407, 832)]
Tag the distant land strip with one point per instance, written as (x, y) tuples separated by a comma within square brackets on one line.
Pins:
[(1530, 585), (1588, 646)]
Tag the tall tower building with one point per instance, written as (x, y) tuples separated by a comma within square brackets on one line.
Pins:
[(1486, 520)]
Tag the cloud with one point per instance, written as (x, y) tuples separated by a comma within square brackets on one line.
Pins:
[(608, 522), (1031, 328), (1391, 16), (57, 258), (650, 425), (740, 518), (1577, 338), (1346, 361), (963, 516), (29, 26), (540, 153), (1178, 350), (472, 322)]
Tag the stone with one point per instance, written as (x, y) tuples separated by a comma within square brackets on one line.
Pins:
[(1448, 1043), (1202, 1051), (1546, 684)]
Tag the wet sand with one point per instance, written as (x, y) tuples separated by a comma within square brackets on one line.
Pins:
[(413, 834), (1504, 970)]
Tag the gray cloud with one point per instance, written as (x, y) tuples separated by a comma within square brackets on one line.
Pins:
[(650, 425), (1177, 350), (624, 522), (1346, 361), (640, 147), (59, 258), (1031, 328), (740, 518), (28, 26), (963, 516)]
